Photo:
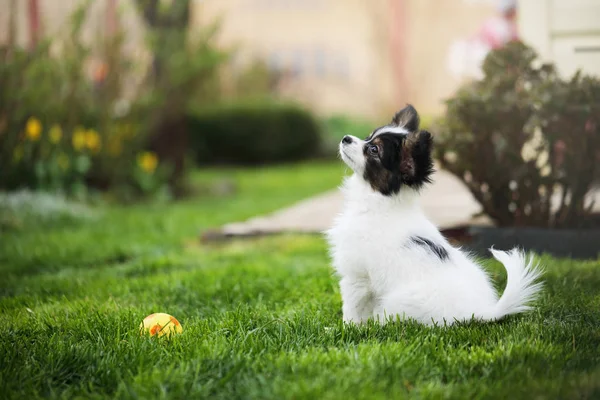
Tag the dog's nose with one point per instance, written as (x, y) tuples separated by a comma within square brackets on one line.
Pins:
[(347, 139)]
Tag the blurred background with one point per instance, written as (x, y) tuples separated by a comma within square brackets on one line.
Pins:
[(122, 98)]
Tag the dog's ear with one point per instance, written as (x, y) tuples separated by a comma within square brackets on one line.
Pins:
[(416, 163), (407, 118)]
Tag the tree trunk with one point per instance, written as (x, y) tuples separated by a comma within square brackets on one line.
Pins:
[(169, 139)]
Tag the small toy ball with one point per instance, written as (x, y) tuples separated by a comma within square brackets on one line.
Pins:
[(160, 324)]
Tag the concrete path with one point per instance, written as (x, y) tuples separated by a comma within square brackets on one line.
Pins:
[(447, 202)]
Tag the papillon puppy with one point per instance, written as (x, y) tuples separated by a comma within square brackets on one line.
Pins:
[(392, 261)]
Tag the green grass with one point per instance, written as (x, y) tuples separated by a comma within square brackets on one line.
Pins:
[(262, 318)]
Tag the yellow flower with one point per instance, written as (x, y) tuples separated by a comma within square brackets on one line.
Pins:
[(33, 129), (92, 140), (55, 134), (148, 161), (78, 138), (63, 161)]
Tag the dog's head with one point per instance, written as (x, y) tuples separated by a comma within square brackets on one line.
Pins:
[(392, 156)]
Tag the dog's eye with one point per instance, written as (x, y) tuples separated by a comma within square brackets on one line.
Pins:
[(373, 149)]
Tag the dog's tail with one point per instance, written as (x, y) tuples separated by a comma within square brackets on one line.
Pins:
[(522, 284)]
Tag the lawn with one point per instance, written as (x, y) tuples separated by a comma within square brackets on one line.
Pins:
[(262, 318)]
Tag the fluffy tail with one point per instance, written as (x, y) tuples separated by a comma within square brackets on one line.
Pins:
[(522, 286)]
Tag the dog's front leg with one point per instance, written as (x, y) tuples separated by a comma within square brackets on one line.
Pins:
[(357, 299)]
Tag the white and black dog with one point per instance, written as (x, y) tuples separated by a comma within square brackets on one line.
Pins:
[(392, 261)]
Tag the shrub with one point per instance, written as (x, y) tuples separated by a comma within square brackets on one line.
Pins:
[(256, 133), (62, 131), (524, 141)]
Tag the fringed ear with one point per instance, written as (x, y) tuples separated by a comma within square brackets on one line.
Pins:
[(416, 164), (407, 118)]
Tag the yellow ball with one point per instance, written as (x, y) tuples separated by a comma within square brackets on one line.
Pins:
[(160, 324)]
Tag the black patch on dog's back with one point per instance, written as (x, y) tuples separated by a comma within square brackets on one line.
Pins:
[(436, 249)]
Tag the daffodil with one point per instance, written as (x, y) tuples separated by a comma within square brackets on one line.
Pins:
[(92, 140), (148, 161), (33, 129), (78, 139), (55, 134)]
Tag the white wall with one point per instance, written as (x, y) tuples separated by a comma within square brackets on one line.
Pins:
[(566, 32)]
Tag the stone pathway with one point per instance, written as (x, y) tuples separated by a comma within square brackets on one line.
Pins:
[(447, 202)]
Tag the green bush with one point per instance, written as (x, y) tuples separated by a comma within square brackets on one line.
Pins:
[(524, 141), (256, 133), (62, 131)]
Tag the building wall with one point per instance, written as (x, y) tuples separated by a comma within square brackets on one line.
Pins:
[(362, 57), (434, 25), (54, 18), (566, 32), (336, 55), (353, 56)]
